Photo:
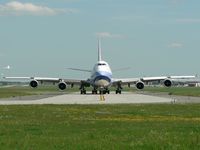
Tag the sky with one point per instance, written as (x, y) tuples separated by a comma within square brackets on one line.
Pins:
[(152, 37)]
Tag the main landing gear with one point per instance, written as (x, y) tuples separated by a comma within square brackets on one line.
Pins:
[(82, 89), (94, 91), (119, 89)]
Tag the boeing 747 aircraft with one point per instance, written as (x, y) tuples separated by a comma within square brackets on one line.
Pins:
[(101, 79)]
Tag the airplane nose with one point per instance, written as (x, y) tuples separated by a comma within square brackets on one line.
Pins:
[(102, 81)]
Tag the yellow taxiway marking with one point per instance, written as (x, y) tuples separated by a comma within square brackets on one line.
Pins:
[(102, 98)]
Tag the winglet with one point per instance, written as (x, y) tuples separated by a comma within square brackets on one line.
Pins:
[(99, 50)]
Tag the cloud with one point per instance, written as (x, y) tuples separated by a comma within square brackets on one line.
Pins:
[(175, 45), (17, 8), (7, 67), (108, 35), (188, 20)]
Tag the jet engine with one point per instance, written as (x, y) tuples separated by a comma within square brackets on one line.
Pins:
[(167, 83), (139, 85), (62, 85), (33, 83)]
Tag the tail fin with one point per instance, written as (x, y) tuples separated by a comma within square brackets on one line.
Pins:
[(99, 50)]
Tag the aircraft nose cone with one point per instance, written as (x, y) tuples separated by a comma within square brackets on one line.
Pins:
[(102, 83)]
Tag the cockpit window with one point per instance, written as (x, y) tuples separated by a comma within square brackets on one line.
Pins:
[(101, 64)]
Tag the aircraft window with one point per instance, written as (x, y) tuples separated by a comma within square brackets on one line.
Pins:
[(101, 64)]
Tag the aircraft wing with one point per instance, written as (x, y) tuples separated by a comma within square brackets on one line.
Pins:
[(33, 78), (128, 81), (132, 80), (135, 80), (187, 81), (46, 79)]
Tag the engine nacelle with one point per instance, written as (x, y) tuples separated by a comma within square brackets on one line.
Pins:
[(33, 83), (62, 85), (139, 85), (167, 83)]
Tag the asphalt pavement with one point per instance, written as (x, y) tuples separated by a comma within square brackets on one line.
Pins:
[(76, 98)]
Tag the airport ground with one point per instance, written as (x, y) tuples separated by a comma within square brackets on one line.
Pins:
[(177, 94), (127, 126), (113, 126), (13, 91)]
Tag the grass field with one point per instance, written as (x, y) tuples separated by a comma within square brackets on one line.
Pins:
[(25, 91), (183, 91), (100, 127)]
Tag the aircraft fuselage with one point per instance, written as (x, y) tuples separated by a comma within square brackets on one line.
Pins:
[(101, 76)]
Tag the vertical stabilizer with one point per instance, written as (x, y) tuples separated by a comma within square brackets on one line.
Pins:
[(99, 50)]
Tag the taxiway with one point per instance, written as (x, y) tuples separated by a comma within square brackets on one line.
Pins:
[(76, 98)]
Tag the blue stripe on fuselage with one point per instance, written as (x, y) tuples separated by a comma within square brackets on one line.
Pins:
[(102, 78), (102, 75)]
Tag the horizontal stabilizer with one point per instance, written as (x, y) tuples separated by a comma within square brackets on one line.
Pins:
[(121, 69), (76, 69)]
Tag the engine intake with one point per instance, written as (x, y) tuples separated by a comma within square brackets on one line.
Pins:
[(62, 85), (140, 85), (33, 83), (168, 83)]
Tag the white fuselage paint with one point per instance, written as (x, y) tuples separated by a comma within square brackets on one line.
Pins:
[(101, 76)]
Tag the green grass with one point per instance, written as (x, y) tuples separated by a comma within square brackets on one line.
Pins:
[(180, 91), (6, 92), (183, 91), (84, 127)]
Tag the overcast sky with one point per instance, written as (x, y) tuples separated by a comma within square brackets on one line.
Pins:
[(153, 37)]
